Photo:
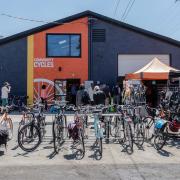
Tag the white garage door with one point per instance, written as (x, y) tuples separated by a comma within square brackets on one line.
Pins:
[(131, 63)]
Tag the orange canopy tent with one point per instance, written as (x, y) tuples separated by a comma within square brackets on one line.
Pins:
[(154, 70)]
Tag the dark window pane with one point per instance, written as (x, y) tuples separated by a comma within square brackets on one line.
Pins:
[(75, 45), (58, 45), (63, 45)]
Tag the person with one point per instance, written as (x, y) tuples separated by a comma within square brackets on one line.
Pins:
[(73, 93), (116, 94), (5, 125), (91, 92), (99, 96), (44, 96), (107, 92), (82, 96), (5, 90)]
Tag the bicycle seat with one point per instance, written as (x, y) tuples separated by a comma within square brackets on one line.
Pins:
[(97, 111)]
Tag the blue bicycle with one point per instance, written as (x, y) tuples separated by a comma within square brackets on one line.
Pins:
[(99, 130)]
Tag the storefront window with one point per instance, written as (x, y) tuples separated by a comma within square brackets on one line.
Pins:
[(63, 45)]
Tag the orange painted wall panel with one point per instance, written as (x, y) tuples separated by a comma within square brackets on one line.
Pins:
[(71, 67)]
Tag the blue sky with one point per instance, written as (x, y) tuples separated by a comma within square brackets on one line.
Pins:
[(159, 16)]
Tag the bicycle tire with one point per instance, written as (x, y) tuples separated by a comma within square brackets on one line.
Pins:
[(129, 138), (24, 130), (82, 150), (149, 128), (57, 134), (99, 151), (160, 136), (139, 136)]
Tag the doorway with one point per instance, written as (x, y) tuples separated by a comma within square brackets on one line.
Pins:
[(66, 89), (72, 88)]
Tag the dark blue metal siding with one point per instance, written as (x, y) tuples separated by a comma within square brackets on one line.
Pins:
[(13, 65), (123, 41)]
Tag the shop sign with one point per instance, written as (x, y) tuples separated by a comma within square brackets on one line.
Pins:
[(43, 62)]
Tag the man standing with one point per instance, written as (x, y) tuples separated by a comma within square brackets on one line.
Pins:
[(91, 92), (99, 96), (116, 94), (5, 90), (107, 92), (82, 96)]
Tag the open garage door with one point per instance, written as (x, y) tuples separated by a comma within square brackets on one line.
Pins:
[(131, 63)]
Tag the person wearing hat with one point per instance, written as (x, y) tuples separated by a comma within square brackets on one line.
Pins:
[(5, 90), (99, 96)]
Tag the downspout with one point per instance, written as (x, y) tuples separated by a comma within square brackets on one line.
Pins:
[(89, 48)]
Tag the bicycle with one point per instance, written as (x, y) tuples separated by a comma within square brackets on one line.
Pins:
[(59, 128), (124, 128), (139, 128), (31, 134), (99, 131)]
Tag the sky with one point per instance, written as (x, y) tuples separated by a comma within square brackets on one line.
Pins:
[(159, 16)]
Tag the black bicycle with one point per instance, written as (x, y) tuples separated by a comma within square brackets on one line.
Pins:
[(31, 134), (59, 128)]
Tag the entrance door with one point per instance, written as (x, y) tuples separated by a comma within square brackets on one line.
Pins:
[(65, 89), (72, 87)]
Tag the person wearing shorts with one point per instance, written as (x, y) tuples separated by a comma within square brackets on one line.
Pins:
[(5, 90)]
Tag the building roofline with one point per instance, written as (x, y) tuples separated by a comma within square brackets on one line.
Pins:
[(87, 14)]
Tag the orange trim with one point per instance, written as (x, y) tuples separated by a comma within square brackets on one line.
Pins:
[(148, 76), (155, 76)]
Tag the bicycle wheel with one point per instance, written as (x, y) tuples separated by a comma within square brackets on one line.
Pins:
[(149, 128), (107, 131), (160, 140), (128, 138), (57, 134), (139, 134), (99, 151), (64, 125), (10, 129), (119, 135), (80, 149), (29, 137)]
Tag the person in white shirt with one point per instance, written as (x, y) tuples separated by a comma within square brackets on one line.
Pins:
[(91, 93), (5, 90)]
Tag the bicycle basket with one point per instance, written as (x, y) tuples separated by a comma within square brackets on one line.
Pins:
[(159, 123)]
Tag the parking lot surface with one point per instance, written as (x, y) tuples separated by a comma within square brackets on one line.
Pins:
[(43, 163)]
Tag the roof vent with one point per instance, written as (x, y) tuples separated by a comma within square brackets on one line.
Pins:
[(98, 35)]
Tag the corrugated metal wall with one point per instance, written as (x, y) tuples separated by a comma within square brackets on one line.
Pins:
[(119, 40), (13, 66)]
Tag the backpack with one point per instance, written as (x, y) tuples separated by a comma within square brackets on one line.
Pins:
[(3, 137), (85, 97)]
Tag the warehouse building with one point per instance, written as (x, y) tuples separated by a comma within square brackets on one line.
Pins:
[(85, 46)]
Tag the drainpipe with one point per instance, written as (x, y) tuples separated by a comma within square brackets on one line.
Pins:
[(89, 48)]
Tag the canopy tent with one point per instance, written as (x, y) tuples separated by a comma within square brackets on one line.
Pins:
[(154, 70)]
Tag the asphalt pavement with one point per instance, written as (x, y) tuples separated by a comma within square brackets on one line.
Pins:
[(43, 163)]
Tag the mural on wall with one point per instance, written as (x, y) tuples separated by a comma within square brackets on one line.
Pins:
[(59, 88)]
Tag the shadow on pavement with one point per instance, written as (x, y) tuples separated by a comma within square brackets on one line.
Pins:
[(173, 142), (15, 147), (48, 147), (52, 155), (21, 154), (164, 153), (70, 156)]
